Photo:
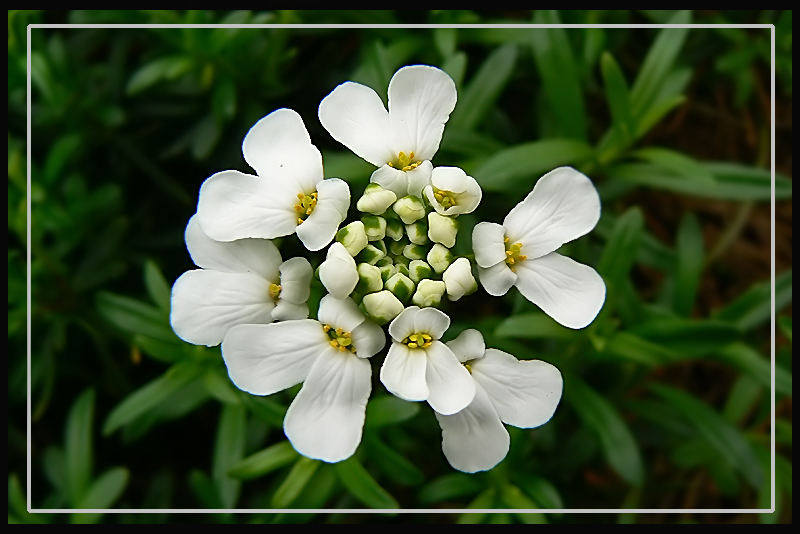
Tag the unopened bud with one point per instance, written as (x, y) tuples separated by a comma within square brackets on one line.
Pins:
[(419, 270), (410, 209), (401, 285), (375, 200), (428, 293), (353, 237), (442, 229), (439, 258), (458, 279), (382, 306), (374, 227)]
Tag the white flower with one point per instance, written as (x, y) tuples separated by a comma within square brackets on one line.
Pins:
[(238, 282), (420, 367), (338, 273), (452, 192), (402, 141), (521, 393), (563, 206), (288, 195), (325, 419)]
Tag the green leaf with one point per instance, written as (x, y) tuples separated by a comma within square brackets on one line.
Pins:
[(619, 446), (392, 463), (785, 325), (485, 87), (223, 99), (362, 486), (151, 395), (78, 446), (219, 386), (743, 396), (518, 167), (135, 317), (688, 337), (389, 410), (753, 308), (485, 501), (228, 451), (622, 247), (449, 487), (264, 461), (166, 68), (106, 489), (616, 88), (750, 362), (512, 497), (542, 491), (157, 286), (724, 438), (533, 326), (560, 78), (689, 268), (301, 472), (628, 346), (677, 162)]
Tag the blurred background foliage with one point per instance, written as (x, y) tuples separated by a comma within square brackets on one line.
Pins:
[(667, 393)]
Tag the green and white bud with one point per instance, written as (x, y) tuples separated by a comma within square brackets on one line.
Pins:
[(428, 293), (409, 208), (372, 253), (369, 279), (439, 258), (415, 252), (353, 237), (374, 226), (387, 269), (401, 268), (401, 285), (417, 232), (338, 273), (458, 279), (375, 200), (394, 229), (396, 247), (419, 270), (442, 229), (382, 306)]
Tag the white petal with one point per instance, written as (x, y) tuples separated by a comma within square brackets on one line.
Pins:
[(355, 116), (403, 372), (563, 206), (524, 392), (326, 418), (421, 99), (570, 292), (450, 384), (474, 439), (418, 178), (285, 311), (498, 279), (432, 321), (295, 280), (233, 205), (205, 304), (368, 339), (259, 256), (265, 359), (458, 279), (403, 325), (320, 227), (465, 189), (469, 345), (278, 147), (488, 245), (338, 272), (340, 313)]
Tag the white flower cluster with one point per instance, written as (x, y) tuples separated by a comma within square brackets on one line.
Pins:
[(392, 265)]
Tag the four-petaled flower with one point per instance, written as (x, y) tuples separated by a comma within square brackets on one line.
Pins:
[(563, 205), (325, 419), (402, 140), (239, 282)]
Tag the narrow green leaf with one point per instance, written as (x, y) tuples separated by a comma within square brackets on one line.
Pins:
[(135, 317), (674, 161), (484, 501), (164, 351), (362, 486), (542, 491), (151, 395), (166, 68), (205, 135), (689, 268), (513, 497), (726, 439), (78, 446), (399, 469), (228, 451), (622, 247), (518, 167), (456, 67), (619, 446), (743, 396), (616, 88), (219, 386), (469, 143), (204, 489), (485, 87), (157, 286), (533, 326), (688, 337), (449, 487), (264, 461), (753, 308), (223, 99), (106, 489), (750, 362), (628, 346), (301, 472), (389, 410), (560, 78), (785, 325)]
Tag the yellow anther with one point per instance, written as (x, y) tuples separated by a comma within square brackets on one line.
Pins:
[(469, 367), (404, 162), (446, 198), (513, 256), (418, 340), (338, 338), (412, 345), (274, 291), (326, 328), (305, 205)]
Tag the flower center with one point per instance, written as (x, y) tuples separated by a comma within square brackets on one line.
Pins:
[(274, 291), (446, 198), (339, 339), (468, 366), (418, 340), (404, 162), (305, 206), (513, 255)]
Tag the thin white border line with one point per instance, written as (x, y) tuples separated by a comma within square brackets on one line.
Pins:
[(417, 510)]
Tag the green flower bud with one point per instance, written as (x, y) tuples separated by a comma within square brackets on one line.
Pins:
[(414, 252), (371, 254), (382, 306), (353, 237), (375, 200), (428, 293), (401, 285), (458, 279), (396, 247), (369, 279), (439, 258), (387, 269), (419, 270), (394, 229), (417, 232), (374, 227), (442, 229), (410, 209), (401, 268)]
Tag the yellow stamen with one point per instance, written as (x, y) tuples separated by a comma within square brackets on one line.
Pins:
[(305, 205), (513, 253), (404, 162), (469, 367), (446, 198), (418, 340), (274, 291), (338, 338)]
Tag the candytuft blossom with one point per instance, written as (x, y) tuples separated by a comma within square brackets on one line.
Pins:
[(521, 393), (402, 140), (563, 206), (288, 196), (325, 419), (242, 281)]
